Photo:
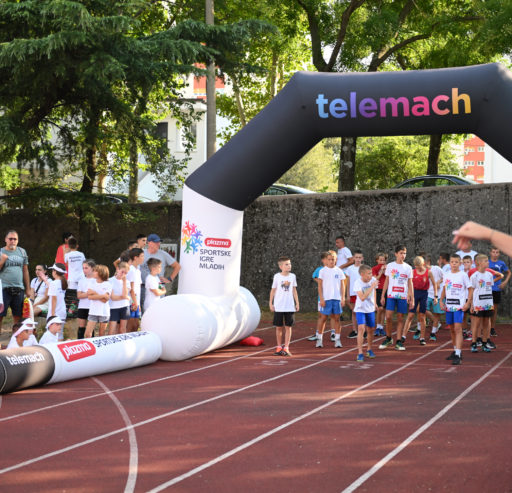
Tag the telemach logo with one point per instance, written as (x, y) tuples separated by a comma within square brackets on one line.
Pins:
[(217, 242), (77, 350)]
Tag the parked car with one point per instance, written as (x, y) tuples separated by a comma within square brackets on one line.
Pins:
[(280, 189), (435, 181)]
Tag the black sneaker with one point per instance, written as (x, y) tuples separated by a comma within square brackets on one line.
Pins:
[(490, 344), (479, 342), (493, 332), (474, 348), (423, 342), (456, 360), (352, 335), (452, 356)]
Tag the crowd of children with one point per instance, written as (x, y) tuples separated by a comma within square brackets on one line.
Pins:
[(79, 288), (465, 286)]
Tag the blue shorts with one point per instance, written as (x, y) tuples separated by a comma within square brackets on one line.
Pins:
[(420, 299), (400, 305), (367, 319), (454, 317), (135, 313), (332, 307), (434, 308)]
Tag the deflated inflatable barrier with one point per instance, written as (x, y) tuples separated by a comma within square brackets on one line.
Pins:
[(25, 367)]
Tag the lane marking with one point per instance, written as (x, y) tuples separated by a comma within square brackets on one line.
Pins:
[(367, 475), (133, 463), (271, 432), (179, 410)]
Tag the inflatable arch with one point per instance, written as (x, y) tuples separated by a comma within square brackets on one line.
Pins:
[(211, 310)]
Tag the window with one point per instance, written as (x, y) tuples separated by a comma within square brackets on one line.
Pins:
[(469, 163), (481, 148), (467, 150), (480, 163), (441, 182)]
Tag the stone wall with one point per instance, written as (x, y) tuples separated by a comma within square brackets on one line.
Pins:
[(300, 226)]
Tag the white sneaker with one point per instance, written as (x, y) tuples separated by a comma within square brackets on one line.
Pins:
[(312, 338), (319, 343), (333, 336), (338, 344)]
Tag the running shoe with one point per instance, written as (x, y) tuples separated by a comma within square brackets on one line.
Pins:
[(400, 346), (452, 356), (474, 348), (312, 338), (479, 342), (416, 335), (456, 360), (493, 332), (278, 351), (360, 358), (370, 354), (319, 343), (382, 332), (485, 348), (352, 335), (376, 333), (286, 352), (490, 344), (333, 336), (423, 342), (388, 342), (432, 337), (468, 336), (338, 343)]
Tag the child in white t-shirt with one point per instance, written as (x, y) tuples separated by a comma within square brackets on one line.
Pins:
[(331, 290), (87, 282), (320, 325), (53, 329), (99, 295), (352, 273), (284, 302), (364, 309), (134, 278), (153, 288), (453, 301), (74, 260), (398, 294), (119, 300), (56, 293)]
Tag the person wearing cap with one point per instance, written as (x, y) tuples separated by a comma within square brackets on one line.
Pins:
[(23, 334), (53, 329), (56, 293), (14, 277), (153, 251)]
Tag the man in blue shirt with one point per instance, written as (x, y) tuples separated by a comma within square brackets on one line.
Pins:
[(497, 287)]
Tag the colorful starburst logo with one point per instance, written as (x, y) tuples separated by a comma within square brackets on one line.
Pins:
[(191, 238)]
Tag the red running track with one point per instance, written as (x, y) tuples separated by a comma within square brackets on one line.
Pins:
[(241, 419)]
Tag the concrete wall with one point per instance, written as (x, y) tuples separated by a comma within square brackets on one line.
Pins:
[(300, 226)]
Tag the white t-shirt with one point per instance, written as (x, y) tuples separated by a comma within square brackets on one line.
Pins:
[(446, 268), (117, 289), (31, 341), (331, 282), (283, 297), (84, 285), (437, 274), (97, 307), (39, 287), (398, 277), (152, 282), (55, 290), (49, 338), (74, 261), (367, 305), (134, 276), (456, 288), (343, 255), (353, 273), (482, 295)]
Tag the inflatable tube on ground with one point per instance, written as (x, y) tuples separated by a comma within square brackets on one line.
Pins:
[(192, 324), (97, 355), (25, 367)]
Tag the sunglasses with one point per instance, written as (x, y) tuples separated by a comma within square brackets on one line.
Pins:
[(12, 239)]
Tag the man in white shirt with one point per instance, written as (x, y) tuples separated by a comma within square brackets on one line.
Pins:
[(345, 258)]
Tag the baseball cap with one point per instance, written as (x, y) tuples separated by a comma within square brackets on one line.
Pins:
[(57, 268), (154, 237)]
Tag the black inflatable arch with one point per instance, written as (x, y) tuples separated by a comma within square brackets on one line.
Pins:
[(312, 106)]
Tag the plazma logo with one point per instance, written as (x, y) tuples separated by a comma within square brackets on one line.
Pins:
[(191, 238), (76, 350)]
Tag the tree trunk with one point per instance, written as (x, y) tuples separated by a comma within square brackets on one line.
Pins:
[(211, 109), (133, 184), (102, 168), (90, 171), (239, 102), (433, 154), (347, 178)]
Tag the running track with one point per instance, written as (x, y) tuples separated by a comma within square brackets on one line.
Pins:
[(242, 420)]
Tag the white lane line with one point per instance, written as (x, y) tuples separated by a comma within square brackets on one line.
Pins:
[(261, 437), (149, 382), (367, 475), (264, 328), (179, 410), (133, 463)]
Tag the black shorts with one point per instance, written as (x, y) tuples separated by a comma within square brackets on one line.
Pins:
[(379, 295), (496, 297), (118, 314), (483, 314), (82, 313), (284, 319), (13, 297)]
